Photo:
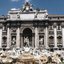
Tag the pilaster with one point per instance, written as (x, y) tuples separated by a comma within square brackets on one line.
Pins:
[(36, 37), (8, 36), (0, 37), (62, 34), (18, 36)]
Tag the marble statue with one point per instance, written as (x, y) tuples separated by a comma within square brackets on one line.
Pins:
[(26, 40), (41, 41)]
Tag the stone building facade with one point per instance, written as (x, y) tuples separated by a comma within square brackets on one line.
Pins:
[(32, 27)]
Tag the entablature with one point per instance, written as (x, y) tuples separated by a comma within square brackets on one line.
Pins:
[(56, 17)]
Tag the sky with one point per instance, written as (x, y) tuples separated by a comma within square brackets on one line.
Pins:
[(52, 6)]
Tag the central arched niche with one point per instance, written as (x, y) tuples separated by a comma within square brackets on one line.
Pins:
[(27, 37)]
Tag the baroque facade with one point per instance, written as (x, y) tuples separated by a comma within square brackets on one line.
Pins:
[(32, 27)]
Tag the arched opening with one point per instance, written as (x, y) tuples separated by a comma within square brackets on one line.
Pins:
[(27, 37)]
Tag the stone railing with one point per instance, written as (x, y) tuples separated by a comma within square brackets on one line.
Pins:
[(59, 44), (51, 44)]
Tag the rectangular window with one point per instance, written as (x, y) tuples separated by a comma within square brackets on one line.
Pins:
[(51, 27)]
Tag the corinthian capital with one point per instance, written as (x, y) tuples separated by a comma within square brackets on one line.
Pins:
[(54, 25)]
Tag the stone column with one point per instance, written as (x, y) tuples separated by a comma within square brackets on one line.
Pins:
[(46, 38), (55, 35), (8, 38), (18, 38), (21, 40), (1, 38), (36, 37), (63, 34), (63, 37), (33, 40)]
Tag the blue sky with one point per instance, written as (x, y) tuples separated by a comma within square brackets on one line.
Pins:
[(53, 6)]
